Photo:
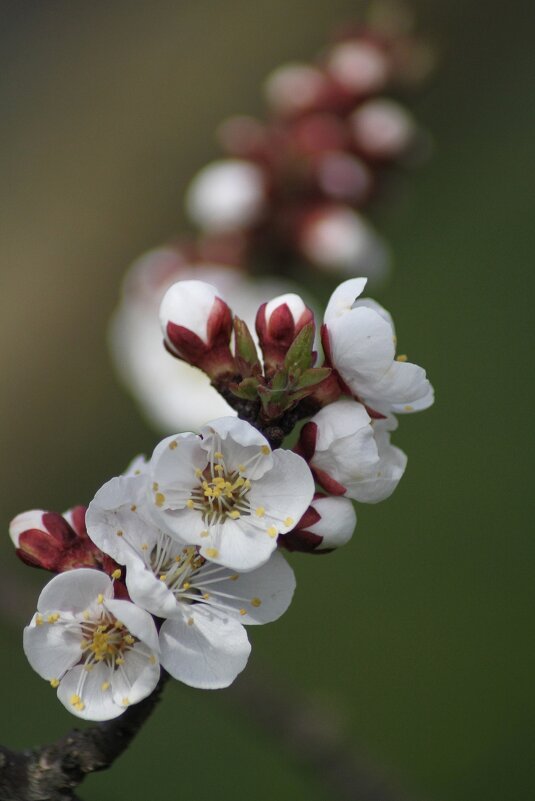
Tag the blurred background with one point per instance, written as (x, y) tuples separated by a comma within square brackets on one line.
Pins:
[(417, 639)]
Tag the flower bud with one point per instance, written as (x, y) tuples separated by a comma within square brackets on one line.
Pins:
[(382, 129), (197, 326), (295, 88), (349, 455), (226, 195), (57, 542), (328, 523), (359, 67), (278, 322), (336, 238)]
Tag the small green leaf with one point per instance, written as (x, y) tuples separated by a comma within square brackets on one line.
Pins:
[(246, 353), (299, 355)]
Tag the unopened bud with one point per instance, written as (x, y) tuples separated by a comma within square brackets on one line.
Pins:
[(278, 323), (295, 88), (197, 326), (328, 523), (359, 67)]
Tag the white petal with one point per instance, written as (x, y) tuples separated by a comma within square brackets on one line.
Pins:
[(96, 703), (238, 545), (292, 301), (137, 621), (136, 678), (285, 492), (338, 420), (362, 347), (259, 596), (51, 648), (147, 591), (172, 470), (188, 304), (114, 522), (136, 467), (74, 591), (207, 653), (403, 384), (337, 523), (241, 444), (343, 298)]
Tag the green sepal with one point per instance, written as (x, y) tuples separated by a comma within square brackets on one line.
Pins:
[(299, 354), (245, 349)]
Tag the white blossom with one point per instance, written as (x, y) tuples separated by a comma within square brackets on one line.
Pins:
[(203, 642), (350, 454), (228, 492), (382, 128), (360, 341), (100, 653), (359, 66), (226, 195)]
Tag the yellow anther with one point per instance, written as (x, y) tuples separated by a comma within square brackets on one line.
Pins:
[(80, 706), (218, 455), (289, 521), (129, 640), (272, 531), (266, 450), (408, 408), (159, 499), (133, 508), (256, 602), (198, 472), (241, 468), (54, 682), (75, 699), (235, 577), (247, 484), (119, 533), (116, 574), (86, 615), (219, 481), (119, 660), (173, 444), (186, 585), (155, 486), (89, 667), (125, 701), (105, 686), (219, 468), (234, 514), (152, 659), (190, 504), (163, 577), (260, 511), (118, 624), (53, 618), (145, 546), (190, 621), (211, 553), (206, 595), (204, 533), (100, 598), (243, 612), (137, 472), (38, 620), (402, 357)]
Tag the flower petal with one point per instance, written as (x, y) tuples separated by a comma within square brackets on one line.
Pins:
[(343, 298), (52, 649), (208, 652), (136, 678), (284, 493), (147, 591), (137, 621), (74, 591), (95, 703)]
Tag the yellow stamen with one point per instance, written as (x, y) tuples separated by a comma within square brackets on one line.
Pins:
[(53, 618), (173, 445), (190, 504), (243, 612), (260, 511), (155, 486), (159, 499), (38, 620), (186, 585), (116, 574), (218, 455), (266, 450), (119, 533), (119, 660), (234, 514), (133, 508), (190, 621), (100, 598), (54, 682), (204, 533), (75, 699), (289, 521), (272, 531), (211, 553), (409, 408), (256, 602), (105, 686), (402, 357)]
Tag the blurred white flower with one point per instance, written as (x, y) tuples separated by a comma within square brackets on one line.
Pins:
[(226, 195), (174, 395), (100, 653), (382, 128)]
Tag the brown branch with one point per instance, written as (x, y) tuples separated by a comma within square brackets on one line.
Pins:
[(53, 772)]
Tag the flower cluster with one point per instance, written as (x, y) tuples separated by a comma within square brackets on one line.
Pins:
[(294, 187), (172, 559)]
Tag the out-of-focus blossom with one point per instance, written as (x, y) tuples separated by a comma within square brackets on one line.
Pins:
[(227, 194)]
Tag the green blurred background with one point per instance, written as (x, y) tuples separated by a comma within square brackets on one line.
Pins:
[(418, 636)]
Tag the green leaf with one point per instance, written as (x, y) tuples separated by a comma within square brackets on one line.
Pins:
[(299, 355), (246, 353)]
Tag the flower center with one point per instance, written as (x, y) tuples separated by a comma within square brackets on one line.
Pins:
[(106, 640), (221, 493)]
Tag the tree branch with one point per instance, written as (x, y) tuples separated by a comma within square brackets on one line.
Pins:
[(53, 772)]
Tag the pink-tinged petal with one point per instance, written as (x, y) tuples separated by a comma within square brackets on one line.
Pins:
[(204, 649), (74, 591), (138, 622), (136, 678), (51, 648), (95, 703), (75, 517), (33, 519), (256, 597), (188, 304), (337, 521)]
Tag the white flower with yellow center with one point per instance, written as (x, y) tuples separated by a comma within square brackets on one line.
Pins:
[(203, 642), (228, 492), (100, 653)]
